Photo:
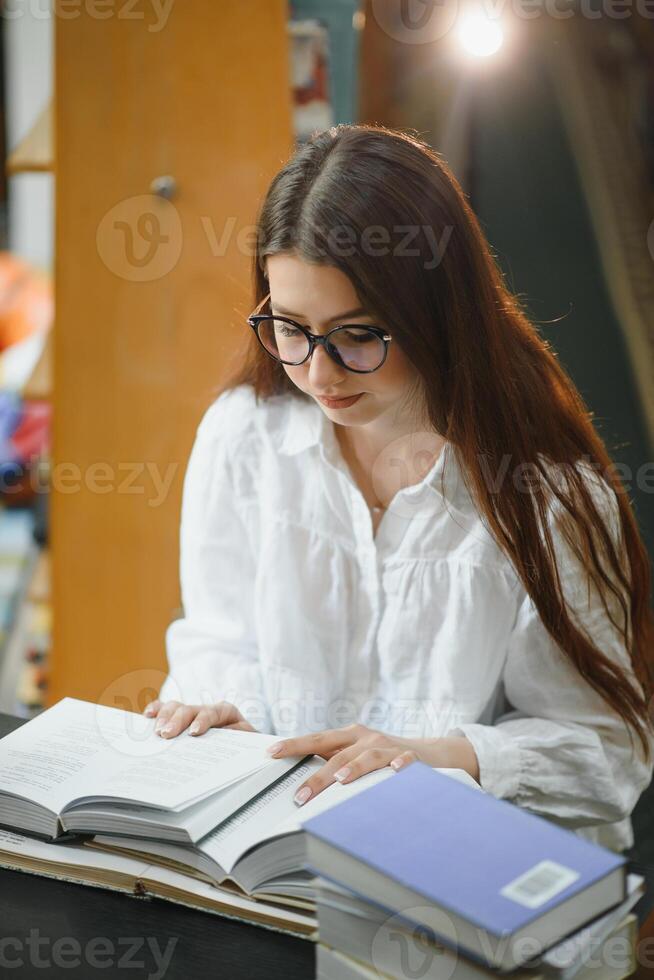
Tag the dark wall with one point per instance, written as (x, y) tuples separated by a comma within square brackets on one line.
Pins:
[(527, 194)]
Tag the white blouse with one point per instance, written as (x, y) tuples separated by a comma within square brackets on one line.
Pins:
[(301, 616)]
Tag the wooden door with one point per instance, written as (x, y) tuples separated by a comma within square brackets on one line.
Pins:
[(151, 295)]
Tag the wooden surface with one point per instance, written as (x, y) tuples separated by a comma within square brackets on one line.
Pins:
[(151, 297)]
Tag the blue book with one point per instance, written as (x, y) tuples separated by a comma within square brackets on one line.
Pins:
[(489, 879)]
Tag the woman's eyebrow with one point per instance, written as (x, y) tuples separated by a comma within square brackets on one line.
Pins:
[(339, 316)]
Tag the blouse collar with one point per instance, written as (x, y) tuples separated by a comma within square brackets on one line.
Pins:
[(311, 427)]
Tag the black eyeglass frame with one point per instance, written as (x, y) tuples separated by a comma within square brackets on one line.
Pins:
[(256, 318)]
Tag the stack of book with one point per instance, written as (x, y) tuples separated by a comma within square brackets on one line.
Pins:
[(464, 887), (357, 939)]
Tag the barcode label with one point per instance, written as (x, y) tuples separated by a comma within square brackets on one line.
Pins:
[(539, 884)]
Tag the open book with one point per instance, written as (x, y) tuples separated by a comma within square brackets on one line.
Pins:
[(214, 807), (261, 847), (84, 768)]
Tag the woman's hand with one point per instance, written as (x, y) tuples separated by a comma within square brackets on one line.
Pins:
[(356, 750), (173, 717)]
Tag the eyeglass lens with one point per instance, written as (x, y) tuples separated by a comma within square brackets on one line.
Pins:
[(357, 347)]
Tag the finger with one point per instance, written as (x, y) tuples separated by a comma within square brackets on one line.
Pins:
[(166, 711), (221, 715), (324, 743), (180, 719), (326, 774), (404, 759), (203, 720), (364, 762), (152, 709)]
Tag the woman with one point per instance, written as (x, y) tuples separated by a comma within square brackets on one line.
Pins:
[(441, 565)]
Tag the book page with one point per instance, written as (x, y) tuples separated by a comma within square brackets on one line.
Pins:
[(173, 773), (275, 813), (179, 887), (18, 851), (258, 819), (580, 946), (77, 749), (40, 759)]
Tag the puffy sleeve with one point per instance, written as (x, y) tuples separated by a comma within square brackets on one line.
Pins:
[(212, 650), (562, 751)]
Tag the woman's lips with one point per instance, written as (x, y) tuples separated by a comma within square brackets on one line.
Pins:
[(340, 402)]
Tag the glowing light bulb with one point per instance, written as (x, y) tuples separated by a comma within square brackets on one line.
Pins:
[(479, 35)]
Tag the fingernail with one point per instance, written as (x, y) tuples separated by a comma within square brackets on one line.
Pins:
[(194, 729), (302, 795), (343, 773), (159, 725), (167, 730), (274, 749), (397, 763), (149, 711)]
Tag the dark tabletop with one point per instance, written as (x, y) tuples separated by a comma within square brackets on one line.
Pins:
[(108, 934)]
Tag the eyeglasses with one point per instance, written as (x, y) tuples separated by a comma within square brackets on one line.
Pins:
[(357, 347)]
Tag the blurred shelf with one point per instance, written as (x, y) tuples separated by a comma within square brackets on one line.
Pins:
[(34, 153), (32, 679), (39, 587), (39, 385), (24, 661), (19, 556)]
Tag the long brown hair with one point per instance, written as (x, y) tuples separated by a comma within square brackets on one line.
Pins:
[(492, 386)]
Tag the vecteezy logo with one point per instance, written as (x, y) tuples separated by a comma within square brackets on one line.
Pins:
[(403, 466), (415, 21), (140, 238), (131, 733), (402, 947)]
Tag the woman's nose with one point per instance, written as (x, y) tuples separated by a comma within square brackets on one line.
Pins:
[(323, 370)]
